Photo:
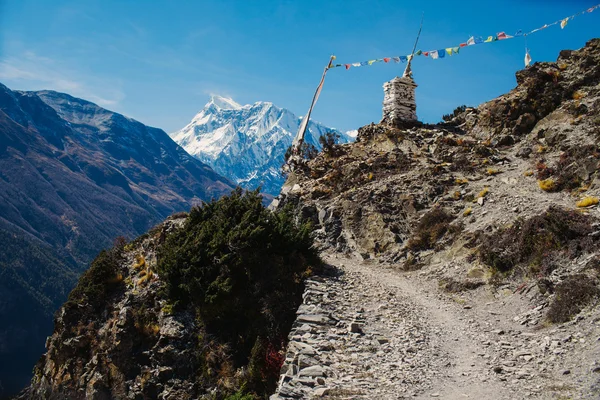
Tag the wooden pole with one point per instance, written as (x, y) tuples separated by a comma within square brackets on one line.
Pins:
[(299, 139), (408, 70)]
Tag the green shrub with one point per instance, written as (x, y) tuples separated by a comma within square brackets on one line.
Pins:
[(240, 395), (572, 295), (456, 112), (240, 266), (103, 276)]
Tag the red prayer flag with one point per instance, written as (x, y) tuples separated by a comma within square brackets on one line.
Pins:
[(348, 66), (426, 53), (463, 45), (386, 59), (501, 35)]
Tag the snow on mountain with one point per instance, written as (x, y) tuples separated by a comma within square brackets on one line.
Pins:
[(246, 143)]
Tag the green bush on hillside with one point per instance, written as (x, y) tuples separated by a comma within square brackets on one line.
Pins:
[(240, 266), (103, 276)]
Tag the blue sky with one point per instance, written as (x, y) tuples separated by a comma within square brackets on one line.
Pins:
[(159, 61)]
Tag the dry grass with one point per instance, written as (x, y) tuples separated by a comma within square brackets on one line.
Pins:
[(493, 171), (528, 173), (461, 181), (140, 262), (145, 278), (484, 192), (467, 212), (578, 95), (587, 201), (547, 185)]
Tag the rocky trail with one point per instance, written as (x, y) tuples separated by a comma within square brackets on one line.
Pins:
[(371, 332)]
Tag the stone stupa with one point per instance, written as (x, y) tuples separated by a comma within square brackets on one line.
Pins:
[(399, 105)]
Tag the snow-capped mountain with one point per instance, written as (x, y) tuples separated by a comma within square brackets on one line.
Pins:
[(247, 143)]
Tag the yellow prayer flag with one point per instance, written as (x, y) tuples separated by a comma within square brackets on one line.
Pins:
[(449, 51), (563, 23), (489, 39)]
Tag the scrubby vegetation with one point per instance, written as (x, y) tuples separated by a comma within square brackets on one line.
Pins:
[(431, 229), (240, 268), (451, 285), (537, 241), (307, 151), (567, 172), (456, 112), (572, 295), (328, 141), (103, 276)]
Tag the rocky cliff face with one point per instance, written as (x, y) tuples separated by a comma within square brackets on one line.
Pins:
[(73, 177)]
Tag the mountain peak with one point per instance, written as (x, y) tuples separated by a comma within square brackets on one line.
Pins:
[(246, 144), (223, 103)]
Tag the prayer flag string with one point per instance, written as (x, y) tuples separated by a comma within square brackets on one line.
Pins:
[(450, 51)]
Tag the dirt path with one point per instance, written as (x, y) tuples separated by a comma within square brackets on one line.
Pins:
[(375, 333), (371, 333), (466, 375)]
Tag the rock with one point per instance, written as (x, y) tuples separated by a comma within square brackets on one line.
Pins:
[(524, 152), (382, 340), (320, 392), (524, 124), (355, 327), (313, 319), (313, 371), (505, 140)]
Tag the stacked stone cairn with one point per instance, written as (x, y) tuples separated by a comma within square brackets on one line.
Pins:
[(399, 105)]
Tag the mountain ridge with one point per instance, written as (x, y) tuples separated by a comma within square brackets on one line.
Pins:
[(246, 143), (74, 176)]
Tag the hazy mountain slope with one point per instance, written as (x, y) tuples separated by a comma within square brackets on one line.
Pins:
[(246, 143), (73, 176)]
